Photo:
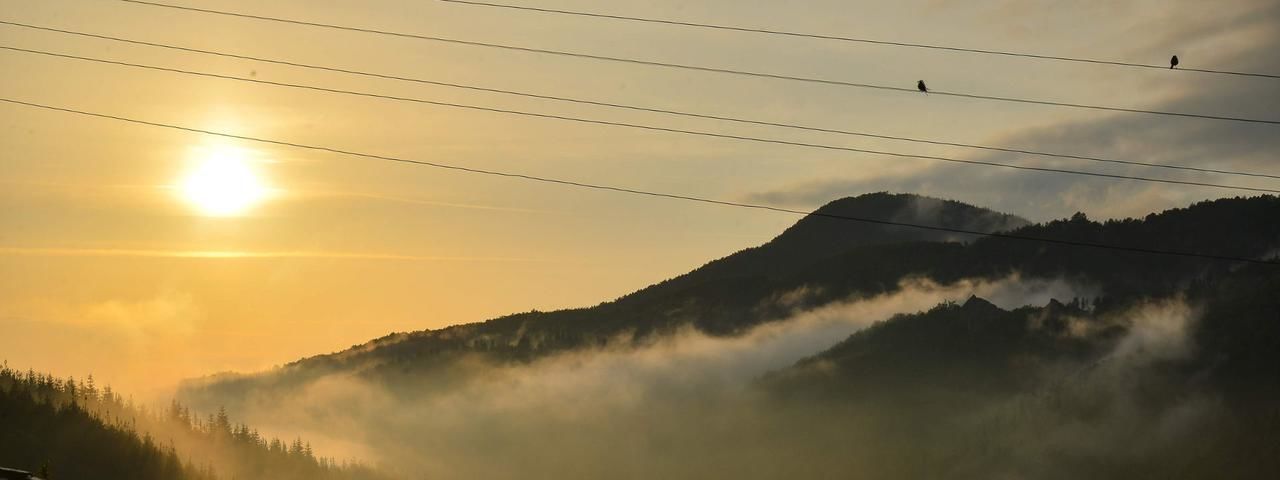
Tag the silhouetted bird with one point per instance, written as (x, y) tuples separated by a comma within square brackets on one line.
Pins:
[(920, 85), (1173, 62)]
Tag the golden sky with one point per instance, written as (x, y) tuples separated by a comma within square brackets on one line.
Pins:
[(106, 268)]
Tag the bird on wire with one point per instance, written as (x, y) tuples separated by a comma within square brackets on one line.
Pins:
[(920, 85), (1173, 62)]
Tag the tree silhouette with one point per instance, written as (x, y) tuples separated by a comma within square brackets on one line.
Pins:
[(72, 429)]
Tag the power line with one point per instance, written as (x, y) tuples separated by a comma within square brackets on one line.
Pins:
[(747, 73), (648, 193), (852, 39), (640, 126), (637, 108)]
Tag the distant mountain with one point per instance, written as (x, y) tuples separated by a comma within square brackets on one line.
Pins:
[(823, 236), (820, 237), (827, 259)]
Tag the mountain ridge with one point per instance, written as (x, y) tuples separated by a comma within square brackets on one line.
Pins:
[(810, 239), (724, 298)]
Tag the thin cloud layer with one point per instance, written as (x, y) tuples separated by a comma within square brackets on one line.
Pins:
[(233, 254), (598, 413), (1251, 38)]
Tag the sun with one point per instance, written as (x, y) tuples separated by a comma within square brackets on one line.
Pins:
[(223, 183)]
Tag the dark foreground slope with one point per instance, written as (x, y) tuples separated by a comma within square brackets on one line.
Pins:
[(74, 430), (69, 442), (832, 259)]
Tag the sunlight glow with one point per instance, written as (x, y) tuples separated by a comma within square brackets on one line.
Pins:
[(223, 183)]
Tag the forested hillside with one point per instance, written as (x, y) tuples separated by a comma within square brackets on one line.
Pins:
[(1083, 362), (828, 259), (78, 430), (66, 441)]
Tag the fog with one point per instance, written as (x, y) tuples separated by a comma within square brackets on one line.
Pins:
[(683, 406)]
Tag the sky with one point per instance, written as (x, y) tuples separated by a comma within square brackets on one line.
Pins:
[(107, 268)]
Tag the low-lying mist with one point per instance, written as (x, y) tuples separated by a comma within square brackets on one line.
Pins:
[(684, 406)]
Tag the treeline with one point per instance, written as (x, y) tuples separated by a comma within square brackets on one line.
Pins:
[(75, 429), (66, 441)]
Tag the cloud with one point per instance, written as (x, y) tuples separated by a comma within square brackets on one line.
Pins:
[(169, 313), (688, 406), (1249, 40), (1158, 331), (681, 407), (162, 317), (240, 254), (1105, 409), (131, 341), (402, 199)]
